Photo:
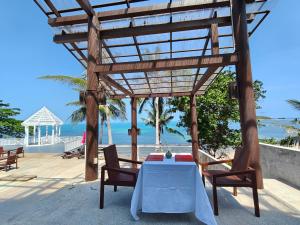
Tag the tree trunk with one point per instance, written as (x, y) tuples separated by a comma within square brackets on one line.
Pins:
[(101, 130), (157, 131), (109, 134)]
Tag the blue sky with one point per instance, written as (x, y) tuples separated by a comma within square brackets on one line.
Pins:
[(27, 51)]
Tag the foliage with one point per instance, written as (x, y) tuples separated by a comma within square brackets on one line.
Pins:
[(215, 111), (117, 107), (288, 141), (8, 124), (271, 141), (293, 128)]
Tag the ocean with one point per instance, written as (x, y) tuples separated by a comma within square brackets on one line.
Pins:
[(273, 128)]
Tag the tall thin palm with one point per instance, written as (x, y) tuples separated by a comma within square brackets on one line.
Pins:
[(165, 117), (115, 108)]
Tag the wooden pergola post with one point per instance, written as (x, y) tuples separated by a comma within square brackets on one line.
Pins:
[(245, 86), (92, 108), (194, 129), (133, 130)]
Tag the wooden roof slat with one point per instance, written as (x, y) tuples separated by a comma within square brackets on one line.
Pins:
[(114, 61), (149, 29), (215, 51), (113, 83), (52, 7), (161, 42), (86, 6), (168, 64), (138, 11), (96, 6), (152, 95)]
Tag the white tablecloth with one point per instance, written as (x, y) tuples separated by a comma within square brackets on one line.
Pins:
[(171, 187)]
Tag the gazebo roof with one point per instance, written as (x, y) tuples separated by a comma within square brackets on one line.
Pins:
[(43, 117)]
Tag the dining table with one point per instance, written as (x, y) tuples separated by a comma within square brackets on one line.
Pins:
[(171, 185)]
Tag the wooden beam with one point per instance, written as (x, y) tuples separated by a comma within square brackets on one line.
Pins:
[(109, 81), (215, 51), (114, 61), (95, 6), (134, 129), (153, 95), (139, 11), (250, 155), (168, 64), (213, 14), (52, 7), (70, 38), (92, 108), (194, 129), (86, 6), (148, 29)]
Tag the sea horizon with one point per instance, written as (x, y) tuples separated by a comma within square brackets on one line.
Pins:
[(271, 128)]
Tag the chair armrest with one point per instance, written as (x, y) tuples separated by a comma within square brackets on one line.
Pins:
[(205, 164), (232, 173), (119, 170), (130, 161)]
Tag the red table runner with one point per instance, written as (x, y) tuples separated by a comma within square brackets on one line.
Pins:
[(184, 158), (155, 158)]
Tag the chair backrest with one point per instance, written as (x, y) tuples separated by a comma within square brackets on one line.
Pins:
[(1, 150), (19, 150), (111, 160), (241, 160), (12, 159)]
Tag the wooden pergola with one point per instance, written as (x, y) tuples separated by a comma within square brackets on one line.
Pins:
[(158, 48)]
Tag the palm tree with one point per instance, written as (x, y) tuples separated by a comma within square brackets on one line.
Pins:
[(115, 108), (160, 119), (294, 103), (156, 101)]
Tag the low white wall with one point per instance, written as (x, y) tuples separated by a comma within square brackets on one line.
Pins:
[(280, 163)]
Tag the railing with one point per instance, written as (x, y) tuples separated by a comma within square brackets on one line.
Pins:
[(71, 143), (11, 141)]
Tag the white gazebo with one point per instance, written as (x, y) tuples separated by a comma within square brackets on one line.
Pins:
[(43, 117)]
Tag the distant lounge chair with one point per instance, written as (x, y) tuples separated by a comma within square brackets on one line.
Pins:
[(68, 154), (117, 176), (79, 153), (236, 177), (8, 161)]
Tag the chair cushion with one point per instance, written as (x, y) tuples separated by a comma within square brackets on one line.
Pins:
[(122, 177), (226, 181)]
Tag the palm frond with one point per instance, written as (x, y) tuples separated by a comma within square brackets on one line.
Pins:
[(142, 104), (295, 103), (74, 103), (78, 115), (174, 131), (75, 82)]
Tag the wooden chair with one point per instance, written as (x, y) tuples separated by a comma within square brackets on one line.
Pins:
[(20, 150), (2, 152), (8, 161), (239, 176), (117, 176)]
